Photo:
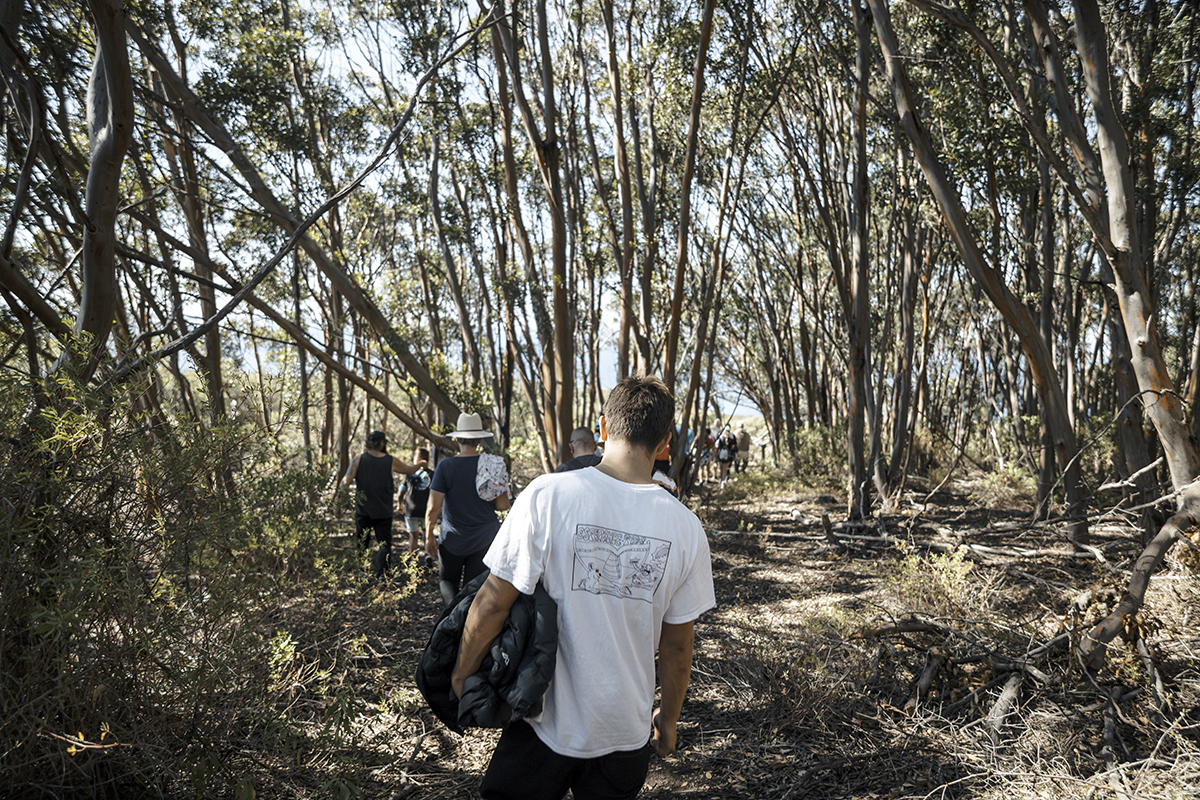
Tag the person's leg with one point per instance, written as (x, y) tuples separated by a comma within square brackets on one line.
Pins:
[(524, 768), (450, 573), (361, 526), (616, 776), (473, 565), (414, 525), (383, 535)]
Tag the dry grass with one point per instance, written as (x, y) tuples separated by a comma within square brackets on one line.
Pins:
[(797, 694), (798, 690)]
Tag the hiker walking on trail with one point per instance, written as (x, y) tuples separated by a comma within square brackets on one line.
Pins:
[(372, 473), (742, 460), (707, 452), (726, 450), (583, 450), (416, 500), (467, 491), (630, 570)]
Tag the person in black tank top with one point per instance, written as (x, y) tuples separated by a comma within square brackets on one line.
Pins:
[(372, 473)]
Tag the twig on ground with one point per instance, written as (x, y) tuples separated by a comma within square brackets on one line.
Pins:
[(1002, 708), (933, 662), (1108, 752), (1156, 682)]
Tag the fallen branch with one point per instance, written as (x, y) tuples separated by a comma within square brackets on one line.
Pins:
[(933, 662), (910, 625), (1002, 665), (1108, 753), (973, 694), (1156, 682), (1003, 707), (1094, 645)]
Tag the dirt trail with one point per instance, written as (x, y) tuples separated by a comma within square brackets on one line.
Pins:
[(786, 702)]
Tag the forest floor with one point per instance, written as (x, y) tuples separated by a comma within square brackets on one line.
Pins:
[(805, 679)]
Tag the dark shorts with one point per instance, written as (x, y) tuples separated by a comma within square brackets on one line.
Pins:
[(381, 527), (524, 768), (459, 570)]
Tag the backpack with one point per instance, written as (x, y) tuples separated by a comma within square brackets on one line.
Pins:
[(491, 476), (420, 480)]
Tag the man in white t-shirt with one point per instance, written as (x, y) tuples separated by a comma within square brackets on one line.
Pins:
[(629, 567)]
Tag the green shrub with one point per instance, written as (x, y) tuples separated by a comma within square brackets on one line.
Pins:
[(140, 577), (936, 584), (818, 455)]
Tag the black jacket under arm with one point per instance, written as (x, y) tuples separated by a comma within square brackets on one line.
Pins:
[(514, 674)]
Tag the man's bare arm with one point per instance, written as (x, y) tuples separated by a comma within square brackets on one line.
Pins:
[(351, 471), (674, 673), (405, 468), (432, 510), (484, 621)]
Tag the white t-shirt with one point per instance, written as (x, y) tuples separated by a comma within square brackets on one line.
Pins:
[(619, 559)]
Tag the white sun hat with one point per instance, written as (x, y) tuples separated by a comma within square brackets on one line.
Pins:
[(469, 426)]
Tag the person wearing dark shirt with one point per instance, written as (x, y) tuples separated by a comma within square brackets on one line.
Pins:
[(583, 448), (743, 448), (469, 523), (416, 500), (372, 472), (726, 452)]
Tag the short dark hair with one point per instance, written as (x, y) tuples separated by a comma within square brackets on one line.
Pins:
[(422, 453), (377, 440), (640, 410)]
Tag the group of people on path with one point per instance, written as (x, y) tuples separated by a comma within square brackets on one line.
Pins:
[(628, 566), (449, 494), (723, 450)]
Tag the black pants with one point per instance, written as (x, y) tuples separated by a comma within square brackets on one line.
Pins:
[(383, 535), (524, 768), (454, 571)]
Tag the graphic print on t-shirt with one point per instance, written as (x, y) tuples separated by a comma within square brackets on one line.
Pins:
[(617, 563)]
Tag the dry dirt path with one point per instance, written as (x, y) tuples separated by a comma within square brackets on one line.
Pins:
[(787, 702)]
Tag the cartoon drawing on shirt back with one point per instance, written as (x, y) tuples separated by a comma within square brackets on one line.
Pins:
[(618, 563)]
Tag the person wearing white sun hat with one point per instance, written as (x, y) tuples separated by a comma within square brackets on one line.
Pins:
[(469, 522)]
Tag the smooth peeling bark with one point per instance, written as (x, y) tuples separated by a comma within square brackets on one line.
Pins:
[(110, 131)]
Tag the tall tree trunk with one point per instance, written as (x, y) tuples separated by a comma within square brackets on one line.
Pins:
[(302, 355), (859, 317), (1126, 255), (189, 194), (470, 348), (110, 131), (557, 369), (685, 198), (626, 254), (911, 246)]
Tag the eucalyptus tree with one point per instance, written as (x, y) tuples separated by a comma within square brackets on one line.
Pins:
[(1112, 190)]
